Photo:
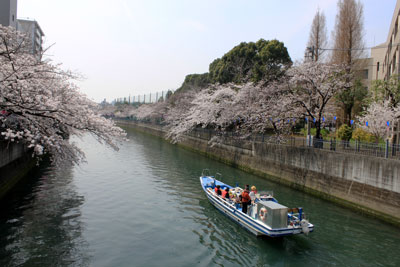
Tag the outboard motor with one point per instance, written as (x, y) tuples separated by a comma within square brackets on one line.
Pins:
[(304, 226)]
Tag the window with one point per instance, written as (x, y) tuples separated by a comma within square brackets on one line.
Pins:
[(377, 66), (12, 17), (364, 74)]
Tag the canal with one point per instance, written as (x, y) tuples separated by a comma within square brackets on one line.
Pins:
[(143, 206)]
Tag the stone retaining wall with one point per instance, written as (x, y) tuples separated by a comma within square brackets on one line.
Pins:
[(15, 163), (10, 152)]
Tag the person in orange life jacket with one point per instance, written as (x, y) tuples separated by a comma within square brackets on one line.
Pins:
[(246, 200), (218, 190), (246, 187), (225, 193)]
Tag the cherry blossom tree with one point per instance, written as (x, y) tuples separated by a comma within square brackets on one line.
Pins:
[(304, 92), (244, 109), (376, 117), (310, 89), (153, 112), (40, 105), (190, 109), (262, 109)]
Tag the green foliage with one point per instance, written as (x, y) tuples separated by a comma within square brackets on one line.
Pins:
[(382, 89), (324, 132), (344, 132), (353, 99), (363, 136), (263, 60), (195, 82)]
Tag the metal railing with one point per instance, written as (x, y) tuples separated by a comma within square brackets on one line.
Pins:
[(385, 150)]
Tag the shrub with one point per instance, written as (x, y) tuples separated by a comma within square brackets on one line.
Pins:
[(324, 132), (363, 136), (344, 132)]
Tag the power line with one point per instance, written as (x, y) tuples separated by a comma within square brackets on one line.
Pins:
[(364, 48)]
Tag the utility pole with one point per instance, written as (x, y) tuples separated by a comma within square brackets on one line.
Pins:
[(311, 52)]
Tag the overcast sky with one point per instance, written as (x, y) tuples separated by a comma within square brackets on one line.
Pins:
[(133, 47)]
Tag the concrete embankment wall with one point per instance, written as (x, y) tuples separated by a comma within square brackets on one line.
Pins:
[(365, 183), (15, 163), (10, 152)]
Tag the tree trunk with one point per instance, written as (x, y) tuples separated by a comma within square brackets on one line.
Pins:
[(318, 138), (347, 112), (318, 130)]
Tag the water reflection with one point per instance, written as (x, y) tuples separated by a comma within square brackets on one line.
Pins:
[(40, 222)]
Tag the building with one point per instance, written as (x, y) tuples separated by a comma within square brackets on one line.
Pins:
[(8, 13), (35, 33), (386, 60), (8, 17), (378, 55), (364, 71), (386, 55)]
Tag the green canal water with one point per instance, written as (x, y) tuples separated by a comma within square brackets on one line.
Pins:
[(143, 206)]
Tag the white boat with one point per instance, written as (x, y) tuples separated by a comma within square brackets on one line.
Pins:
[(266, 217)]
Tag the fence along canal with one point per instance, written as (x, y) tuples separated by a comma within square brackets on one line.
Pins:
[(386, 150)]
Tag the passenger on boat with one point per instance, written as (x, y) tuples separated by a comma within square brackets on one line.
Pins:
[(246, 200), (231, 193), (218, 190), (225, 193), (253, 193)]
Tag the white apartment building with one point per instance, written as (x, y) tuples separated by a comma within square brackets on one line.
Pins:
[(32, 28)]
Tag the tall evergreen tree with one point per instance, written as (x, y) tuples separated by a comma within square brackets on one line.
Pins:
[(262, 60)]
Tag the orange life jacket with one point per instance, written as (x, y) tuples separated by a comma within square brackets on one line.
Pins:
[(224, 193)]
